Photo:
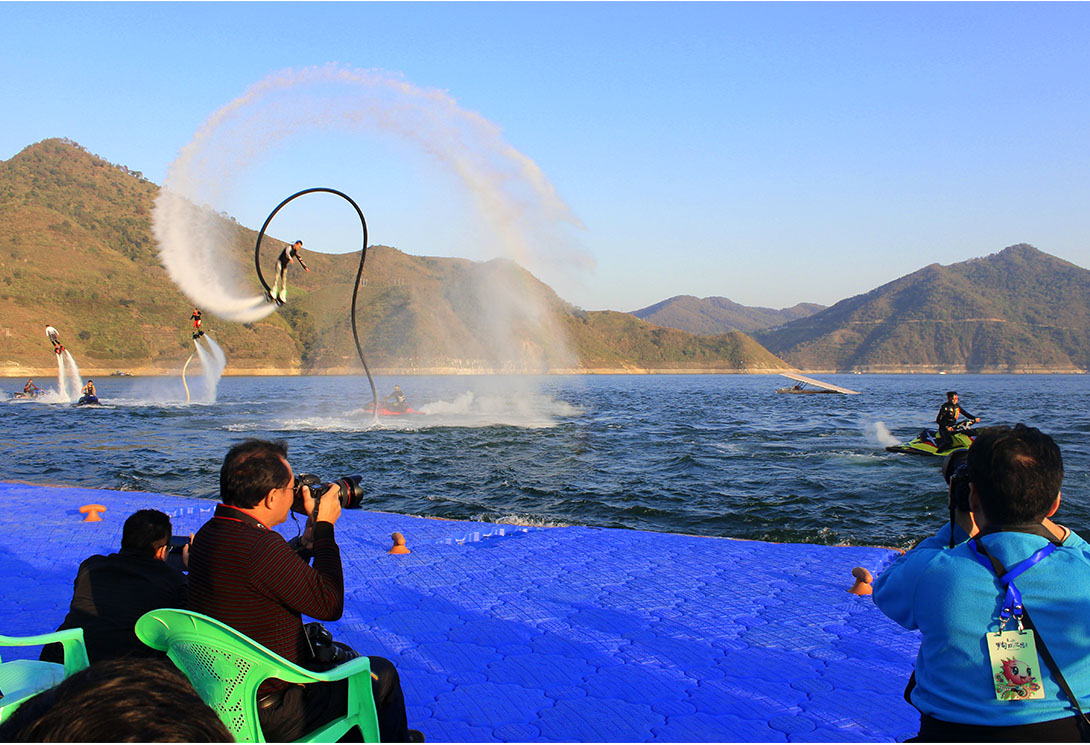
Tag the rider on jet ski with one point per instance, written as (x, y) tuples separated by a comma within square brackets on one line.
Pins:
[(948, 416)]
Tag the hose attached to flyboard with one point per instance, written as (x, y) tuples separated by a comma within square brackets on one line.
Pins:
[(359, 273)]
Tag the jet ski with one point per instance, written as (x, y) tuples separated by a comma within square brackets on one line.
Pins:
[(383, 411), (21, 396), (927, 441), (88, 401)]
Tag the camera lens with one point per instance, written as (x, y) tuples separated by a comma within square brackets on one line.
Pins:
[(351, 491)]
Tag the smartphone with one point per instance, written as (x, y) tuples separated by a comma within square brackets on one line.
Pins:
[(174, 556)]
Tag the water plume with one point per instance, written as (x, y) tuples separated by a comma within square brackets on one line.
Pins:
[(525, 217), (878, 433), (213, 361), (69, 382)]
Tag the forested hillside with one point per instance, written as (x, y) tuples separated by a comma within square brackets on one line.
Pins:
[(1018, 310), (77, 252)]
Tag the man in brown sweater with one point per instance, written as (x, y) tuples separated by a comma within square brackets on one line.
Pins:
[(246, 575)]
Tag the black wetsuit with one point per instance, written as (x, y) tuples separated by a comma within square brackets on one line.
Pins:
[(947, 418)]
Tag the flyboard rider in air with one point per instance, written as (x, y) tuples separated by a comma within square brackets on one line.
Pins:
[(196, 318), (280, 286), (52, 334)]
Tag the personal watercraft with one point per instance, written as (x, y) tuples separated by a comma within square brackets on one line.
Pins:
[(927, 441), (383, 411), (88, 400)]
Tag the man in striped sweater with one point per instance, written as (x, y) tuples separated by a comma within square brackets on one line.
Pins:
[(246, 575)]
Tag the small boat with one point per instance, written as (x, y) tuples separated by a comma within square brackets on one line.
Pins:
[(927, 441), (801, 381)]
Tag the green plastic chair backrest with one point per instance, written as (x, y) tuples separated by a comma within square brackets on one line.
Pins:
[(226, 668), (22, 679)]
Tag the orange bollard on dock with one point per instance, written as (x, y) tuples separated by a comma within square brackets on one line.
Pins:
[(92, 511), (399, 545), (863, 579)]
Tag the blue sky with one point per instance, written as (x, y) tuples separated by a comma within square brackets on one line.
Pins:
[(769, 153)]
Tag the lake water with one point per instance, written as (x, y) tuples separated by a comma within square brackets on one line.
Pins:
[(714, 455)]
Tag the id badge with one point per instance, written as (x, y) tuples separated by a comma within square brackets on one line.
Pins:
[(1016, 672)]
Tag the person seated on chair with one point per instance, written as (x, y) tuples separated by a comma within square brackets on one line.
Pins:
[(123, 700), (246, 575), (970, 684), (112, 592)]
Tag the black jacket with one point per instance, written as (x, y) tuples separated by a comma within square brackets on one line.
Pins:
[(111, 593)]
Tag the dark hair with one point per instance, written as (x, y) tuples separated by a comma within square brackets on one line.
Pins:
[(251, 469), (1017, 473), (143, 529), (950, 394), (123, 700)]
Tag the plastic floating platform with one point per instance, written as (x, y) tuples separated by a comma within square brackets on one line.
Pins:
[(554, 634)]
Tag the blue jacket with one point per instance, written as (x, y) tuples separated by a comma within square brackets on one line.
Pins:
[(954, 600)]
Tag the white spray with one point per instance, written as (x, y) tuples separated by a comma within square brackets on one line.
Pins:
[(879, 433), (525, 216), (69, 382), (213, 362)]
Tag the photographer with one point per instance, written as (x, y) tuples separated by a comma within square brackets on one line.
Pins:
[(247, 576), (112, 592), (971, 683)]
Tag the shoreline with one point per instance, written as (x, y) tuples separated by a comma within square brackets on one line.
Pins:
[(20, 371)]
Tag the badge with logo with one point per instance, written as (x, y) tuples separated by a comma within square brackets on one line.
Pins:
[(1014, 665)]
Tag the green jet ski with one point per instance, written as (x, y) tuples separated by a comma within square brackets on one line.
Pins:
[(927, 441)]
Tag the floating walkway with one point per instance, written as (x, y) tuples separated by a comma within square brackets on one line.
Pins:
[(554, 634)]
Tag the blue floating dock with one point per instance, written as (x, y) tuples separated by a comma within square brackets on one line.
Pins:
[(554, 634)]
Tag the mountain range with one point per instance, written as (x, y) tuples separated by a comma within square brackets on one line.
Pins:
[(1018, 310), (77, 252), (718, 315)]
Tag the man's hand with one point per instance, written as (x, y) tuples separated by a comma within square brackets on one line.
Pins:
[(185, 551), (977, 420), (329, 507)]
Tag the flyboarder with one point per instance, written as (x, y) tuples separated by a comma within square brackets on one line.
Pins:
[(52, 334), (280, 285), (197, 330), (948, 416)]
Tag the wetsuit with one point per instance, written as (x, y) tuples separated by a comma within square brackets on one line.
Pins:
[(947, 418), (280, 285), (52, 334), (196, 324)]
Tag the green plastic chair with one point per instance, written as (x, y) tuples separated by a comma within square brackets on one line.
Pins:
[(227, 668), (22, 679)]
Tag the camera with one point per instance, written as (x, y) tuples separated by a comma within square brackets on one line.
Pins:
[(955, 470), (174, 552), (351, 491)]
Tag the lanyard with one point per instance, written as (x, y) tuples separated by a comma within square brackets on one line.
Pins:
[(1012, 602)]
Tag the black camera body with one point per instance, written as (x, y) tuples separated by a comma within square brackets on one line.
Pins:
[(351, 492)]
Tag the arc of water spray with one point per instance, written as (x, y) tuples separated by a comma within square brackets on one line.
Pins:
[(511, 191), (359, 273)]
